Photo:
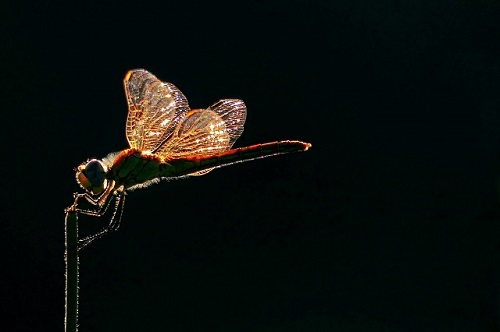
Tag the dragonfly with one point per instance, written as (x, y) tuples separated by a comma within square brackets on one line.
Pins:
[(167, 140)]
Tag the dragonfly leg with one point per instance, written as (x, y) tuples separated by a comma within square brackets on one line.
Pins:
[(113, 224), (99, 211), (99, 202)]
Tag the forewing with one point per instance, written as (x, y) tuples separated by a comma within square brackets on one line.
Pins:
[(155, 110), (207, 131)]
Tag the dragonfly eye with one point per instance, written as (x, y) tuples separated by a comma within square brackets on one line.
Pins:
[(92, 176)]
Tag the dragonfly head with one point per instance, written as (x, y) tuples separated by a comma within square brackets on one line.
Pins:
[(91, 176)]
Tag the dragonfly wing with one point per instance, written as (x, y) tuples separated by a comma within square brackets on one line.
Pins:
[(234, 113), (207, 131), (155, 110)]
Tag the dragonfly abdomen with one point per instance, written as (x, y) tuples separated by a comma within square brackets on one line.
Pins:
[(189, 165)]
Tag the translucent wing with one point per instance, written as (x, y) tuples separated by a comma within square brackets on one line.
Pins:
[(207, 131), (155, 109)]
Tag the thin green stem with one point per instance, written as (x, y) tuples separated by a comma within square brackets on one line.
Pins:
[(71, 258)]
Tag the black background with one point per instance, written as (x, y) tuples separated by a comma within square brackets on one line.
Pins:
[(390, 222)]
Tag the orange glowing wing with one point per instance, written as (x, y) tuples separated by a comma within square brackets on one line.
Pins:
[(155, 109), (207, 131)]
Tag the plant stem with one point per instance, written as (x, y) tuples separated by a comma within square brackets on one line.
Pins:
[(71, 259)]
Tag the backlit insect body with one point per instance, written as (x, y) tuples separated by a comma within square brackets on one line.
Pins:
[(167, 140)]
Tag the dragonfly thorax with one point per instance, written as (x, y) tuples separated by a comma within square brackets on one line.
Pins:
[(91, 176)]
